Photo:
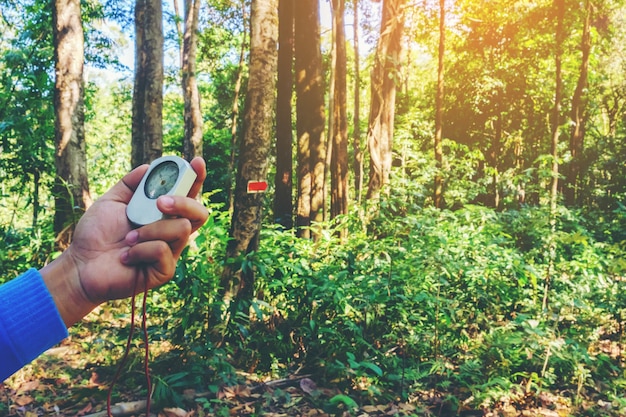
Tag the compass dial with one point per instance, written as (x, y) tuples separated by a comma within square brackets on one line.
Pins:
[(161, 180)]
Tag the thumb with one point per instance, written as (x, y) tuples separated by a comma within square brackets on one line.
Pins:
[(124, 189)]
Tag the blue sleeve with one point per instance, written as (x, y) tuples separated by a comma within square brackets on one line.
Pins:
[(29, 322)]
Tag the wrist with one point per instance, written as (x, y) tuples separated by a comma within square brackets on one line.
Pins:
[(63, 282)]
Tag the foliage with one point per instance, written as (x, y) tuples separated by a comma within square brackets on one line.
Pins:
[(21, 249), (428, 300), (26, 98), (107, 133), (26, 112)]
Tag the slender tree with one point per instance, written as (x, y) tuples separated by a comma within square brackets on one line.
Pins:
[(283, 181), (192, 143), (235, 106), (559, 6), (383, 95), (71, 185), (310, 118), (356, 117), (254, 149), (558, 96), (438, 194), (178, 19), (147, 123), (578, 111), (493, 155), (339, 127)]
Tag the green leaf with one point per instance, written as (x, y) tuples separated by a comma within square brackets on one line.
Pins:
[(373, 367), (343, 399)]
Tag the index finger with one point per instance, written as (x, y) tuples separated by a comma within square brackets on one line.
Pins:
[(199, 166)]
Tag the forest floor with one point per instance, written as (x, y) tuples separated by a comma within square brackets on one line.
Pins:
[(70, 380)]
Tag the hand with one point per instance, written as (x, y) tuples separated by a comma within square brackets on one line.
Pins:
[(108, 259)]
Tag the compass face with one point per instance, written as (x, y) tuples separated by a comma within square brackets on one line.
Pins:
[(161, 180)]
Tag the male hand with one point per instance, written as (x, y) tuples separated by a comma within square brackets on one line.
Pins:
[(109, 259)]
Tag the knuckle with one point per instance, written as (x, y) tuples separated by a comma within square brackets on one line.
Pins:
[(161, 249), (186, 226)]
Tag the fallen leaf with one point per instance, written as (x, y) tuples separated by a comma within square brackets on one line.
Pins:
[(23, 400), (236, 391), (393, 410), (407, 407), (370, 409), (548, 413), (85, 410), (175, 412), (316, 413), (28, 386)]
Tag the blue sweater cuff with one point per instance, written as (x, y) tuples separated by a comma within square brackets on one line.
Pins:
[(29, 322)]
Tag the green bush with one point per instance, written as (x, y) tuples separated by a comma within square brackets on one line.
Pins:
[(446, 300)]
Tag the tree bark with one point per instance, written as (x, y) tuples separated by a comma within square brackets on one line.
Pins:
[(494, 159), (556, 116), (192, 143), (147, 124), (383, 92), (254, 148), (558, 95), (339, 132), (356, 117), (71, 187), (283, 181), (179, 29), (438, 192), (310, 117), (235, 109), (577, 114)]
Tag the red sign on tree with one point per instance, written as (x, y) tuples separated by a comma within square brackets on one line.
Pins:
[(257, 186)]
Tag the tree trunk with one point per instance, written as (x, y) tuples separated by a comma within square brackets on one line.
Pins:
[(147, 124), (494, 155), (577, 113), (556, 116), (558, 95), (438, 193), (383, 92), (339, 132), (254, 148), (330, 93), (36, 205), (179, 30), (192, 143), (235, 110), (283, 199), (356, 117), (71, 187), (310, 116)]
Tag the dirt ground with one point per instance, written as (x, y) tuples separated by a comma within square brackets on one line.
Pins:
[(73, 379)]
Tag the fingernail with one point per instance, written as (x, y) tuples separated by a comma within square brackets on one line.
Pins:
[(167, 201), (125, 256), (132, 237)]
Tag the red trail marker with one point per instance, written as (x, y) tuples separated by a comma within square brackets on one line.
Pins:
[(257, 186)]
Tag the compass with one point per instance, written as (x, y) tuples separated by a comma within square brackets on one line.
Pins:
[(168, 175)]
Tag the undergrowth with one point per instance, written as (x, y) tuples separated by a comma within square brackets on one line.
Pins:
[(427, 305), (432, 301)]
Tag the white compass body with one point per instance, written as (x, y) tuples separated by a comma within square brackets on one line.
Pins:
[(168, 175)]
